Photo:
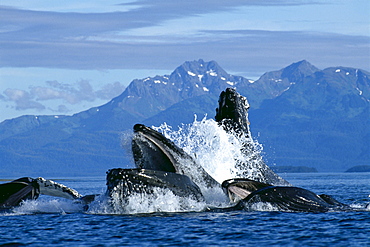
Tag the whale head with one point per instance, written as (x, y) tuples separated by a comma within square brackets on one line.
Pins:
[(232, 112), (152, 150)]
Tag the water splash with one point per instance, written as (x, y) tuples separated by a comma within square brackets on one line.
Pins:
[(48, 205), (217, 151), (159, 200)]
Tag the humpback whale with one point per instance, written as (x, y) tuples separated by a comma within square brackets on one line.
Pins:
[(121, 183), (250, 194), (160, 164), (152, 150), (13, 193), (232, 115), (26, 188)]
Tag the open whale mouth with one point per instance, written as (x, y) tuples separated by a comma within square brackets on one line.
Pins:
[(160, 165), (151, 150), (240, 188)]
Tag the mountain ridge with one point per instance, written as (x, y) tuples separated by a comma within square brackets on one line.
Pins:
[(283, 105)]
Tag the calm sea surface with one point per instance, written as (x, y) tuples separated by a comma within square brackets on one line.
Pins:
[(53, 222)]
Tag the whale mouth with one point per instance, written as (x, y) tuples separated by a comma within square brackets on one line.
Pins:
[(151, 150), (143, 181), (240, 188), (12, 193)]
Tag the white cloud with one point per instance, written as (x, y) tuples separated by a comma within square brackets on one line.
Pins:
[(22, 99), (70, 94), (44, 93), (16, 94)]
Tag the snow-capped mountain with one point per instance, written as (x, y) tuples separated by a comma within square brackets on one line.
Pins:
[(151, 95), (302, 115)]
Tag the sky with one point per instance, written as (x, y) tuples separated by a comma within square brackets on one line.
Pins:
[(63, 57)]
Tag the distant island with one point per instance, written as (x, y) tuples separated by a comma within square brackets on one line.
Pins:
[(293, 169), (363, 168)]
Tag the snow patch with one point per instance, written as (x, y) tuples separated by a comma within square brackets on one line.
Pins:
[(251, 81), (337, 71), (191, 73), (230, 83), (200, 77), (157, 81), (196, 85), (205, 89), (347, 73), (212, 73), (223, 78)]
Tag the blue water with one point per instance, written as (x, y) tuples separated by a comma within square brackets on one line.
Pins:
[(55, 222)]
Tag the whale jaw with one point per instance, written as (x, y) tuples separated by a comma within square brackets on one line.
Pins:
[(121, 183)]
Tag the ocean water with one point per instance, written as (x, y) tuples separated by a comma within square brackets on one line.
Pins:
[(56, 222), (163, 219)]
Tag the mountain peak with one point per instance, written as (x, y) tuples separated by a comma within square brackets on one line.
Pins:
[(200, 67), (296, 71), (191, 79)]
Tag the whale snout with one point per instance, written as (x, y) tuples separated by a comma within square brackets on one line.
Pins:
[(139, 127)]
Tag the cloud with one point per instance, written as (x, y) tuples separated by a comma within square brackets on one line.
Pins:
[(116, 40), (110, 90), (239, 50), (22, 99), (76, 93), (42, 27), (32, 23), (88, 40), (71, 94)]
